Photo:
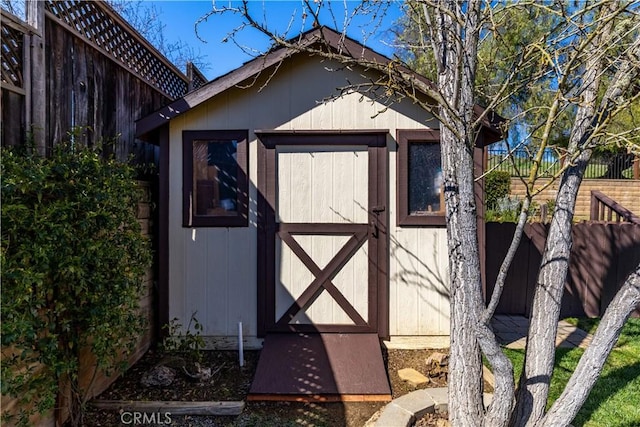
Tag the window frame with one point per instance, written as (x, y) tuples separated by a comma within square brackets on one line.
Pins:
[(403, 217), (241, 219)]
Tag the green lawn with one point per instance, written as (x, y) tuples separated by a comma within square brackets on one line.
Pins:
[(615, 398)]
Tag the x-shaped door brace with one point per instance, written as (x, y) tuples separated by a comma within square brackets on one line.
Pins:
[(323, 277)]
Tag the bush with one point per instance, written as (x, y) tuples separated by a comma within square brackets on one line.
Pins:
[(72, 261), (507, 210), (496, 186)]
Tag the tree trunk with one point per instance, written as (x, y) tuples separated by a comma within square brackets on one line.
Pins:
[(540, 353), (465, 373), (457, 54), (566, 407)]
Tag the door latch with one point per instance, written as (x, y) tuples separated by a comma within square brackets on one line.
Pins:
[(374, 228)]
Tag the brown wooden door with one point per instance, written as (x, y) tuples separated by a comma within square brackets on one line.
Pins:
[(322, 222)]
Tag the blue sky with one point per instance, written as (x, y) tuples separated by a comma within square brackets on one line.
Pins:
[(179, 18)]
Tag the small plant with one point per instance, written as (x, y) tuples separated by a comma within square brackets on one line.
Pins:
[(507, 209), (551, 206), (187, 341)]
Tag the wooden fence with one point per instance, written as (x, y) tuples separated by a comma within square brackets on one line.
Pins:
[(602, 256), (78, 64), (624, 191), (604, 208)]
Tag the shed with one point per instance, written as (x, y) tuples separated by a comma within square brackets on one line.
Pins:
[(297, 209)]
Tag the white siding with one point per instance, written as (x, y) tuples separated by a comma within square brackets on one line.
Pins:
[(419, 291), (213, 270)]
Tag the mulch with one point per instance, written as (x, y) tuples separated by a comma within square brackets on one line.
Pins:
[(231, 382)]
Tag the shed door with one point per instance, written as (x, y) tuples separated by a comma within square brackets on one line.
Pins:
[(326, 235)]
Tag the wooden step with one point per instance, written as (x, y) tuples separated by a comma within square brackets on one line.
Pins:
[(321, 367)]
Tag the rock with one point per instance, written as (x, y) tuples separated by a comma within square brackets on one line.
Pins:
[(158, 376), (438, 365), (197, 372), (440, 359), (413, 377)]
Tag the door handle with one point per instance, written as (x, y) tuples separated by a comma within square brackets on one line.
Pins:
[(374, 229), (378, 209)]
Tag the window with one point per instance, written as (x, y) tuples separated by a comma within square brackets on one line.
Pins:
[(420, 182), (215, 183)]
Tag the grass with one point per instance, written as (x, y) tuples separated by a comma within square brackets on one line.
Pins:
[(614, 401)]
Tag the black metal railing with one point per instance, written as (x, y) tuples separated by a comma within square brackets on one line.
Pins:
[(519, 162)]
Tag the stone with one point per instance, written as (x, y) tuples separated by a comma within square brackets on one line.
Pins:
[(405, 410), (440, 359), (197, 372), (438, 365), (158, 376), (418, 403), (440, 398), (412, 376), (395, 416)]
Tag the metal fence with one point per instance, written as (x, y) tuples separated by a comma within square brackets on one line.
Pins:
[(602, 165)]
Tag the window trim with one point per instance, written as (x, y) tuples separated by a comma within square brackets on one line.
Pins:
[(242, 158), (403, 216)]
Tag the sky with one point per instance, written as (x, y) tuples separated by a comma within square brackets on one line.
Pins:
[(179, 18)]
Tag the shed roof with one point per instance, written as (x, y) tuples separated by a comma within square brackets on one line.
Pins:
[(323, 37)]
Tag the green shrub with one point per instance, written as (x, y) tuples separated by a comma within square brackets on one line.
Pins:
[(496, 186), (72, 260), (507, 209), (184, 341)]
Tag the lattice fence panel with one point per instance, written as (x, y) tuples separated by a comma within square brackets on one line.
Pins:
[(198, 81), (195, 76), (12, 56), (91, 21)]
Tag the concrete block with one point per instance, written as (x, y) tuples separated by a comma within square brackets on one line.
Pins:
[(395, 416), (418, 403), (440, 397), (487, 398), (488, 376)]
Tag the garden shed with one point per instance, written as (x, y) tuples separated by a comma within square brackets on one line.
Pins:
[(294, 207)]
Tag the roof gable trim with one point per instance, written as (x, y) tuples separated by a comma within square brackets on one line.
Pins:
[(331, 39)]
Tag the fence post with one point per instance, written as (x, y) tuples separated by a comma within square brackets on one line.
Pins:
[(595, 207), (36, 108), (636, 167), (190, 76)]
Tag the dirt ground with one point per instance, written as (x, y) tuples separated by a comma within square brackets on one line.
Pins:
[(230, 382)]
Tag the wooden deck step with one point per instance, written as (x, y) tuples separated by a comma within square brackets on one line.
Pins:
[(321, 367)]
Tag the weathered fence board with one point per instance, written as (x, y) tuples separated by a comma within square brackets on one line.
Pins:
[(89, 90), (83, 66), (13, 120), (602, 256)]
